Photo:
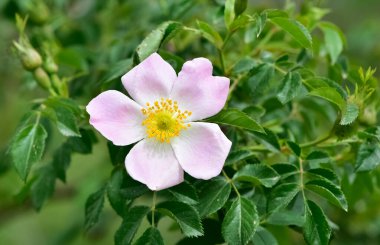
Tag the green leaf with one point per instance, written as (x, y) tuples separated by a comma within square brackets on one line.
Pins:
[(43, 186), (212, 234), (330, 95), (282, 195), (316, 229), (151, 236), (349, 114), (318, 157), (258, 78), (236, 118), (64, 115), (285, 169), (274, 13), (240, 222), (240, 6), (131, 223), (328, 190), (286, 218), (229, 12), (295, 29), (117, 153), (212, 196), (93, 209), (294, 147), (319, 82), (241, 22), (334, 40), (72, 58), (61, 161), (131, 189), (371, 133), (115, 191), (263, 237), (323, 173), (185, 192), (368, 157), (27, 148), (210, 34), (156, 38), (290, 86), (257, 174), (185, 215), (66, 122), (117, 70), (254, 31), (83, 144), (269, 139), (237, 156)]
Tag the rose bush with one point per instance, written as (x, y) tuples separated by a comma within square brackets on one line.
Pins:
[(271, 137)]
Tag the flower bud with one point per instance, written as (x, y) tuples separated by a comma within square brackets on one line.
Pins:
[(49, 65), (42, 78), (38, 12), (30, 58)]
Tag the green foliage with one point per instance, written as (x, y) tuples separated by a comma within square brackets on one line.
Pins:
[(295, 29), (317, 230), (329, 191), (302, 116), (257, 174), (130, 224), (27, 147), (291, 84), (185, 215), (240, 222), (282, 195), (151, 236), (212, 196), (236, 118), (94, 206)]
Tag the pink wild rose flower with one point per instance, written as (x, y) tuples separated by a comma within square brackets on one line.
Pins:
[(161, 119)]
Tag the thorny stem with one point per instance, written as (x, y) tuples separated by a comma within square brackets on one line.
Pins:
[(153, 207), (229, 180)]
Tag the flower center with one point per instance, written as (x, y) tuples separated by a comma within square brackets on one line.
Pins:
[(164, 120)]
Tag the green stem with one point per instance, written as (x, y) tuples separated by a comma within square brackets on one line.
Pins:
[(233, 87), (263, 41), (280, 69), (259, 148), (226, 39), (229, 180), (153, 207), (316, 142), (301, 179), (221, 59)]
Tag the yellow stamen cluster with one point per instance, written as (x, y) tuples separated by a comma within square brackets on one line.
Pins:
[(164, 120)]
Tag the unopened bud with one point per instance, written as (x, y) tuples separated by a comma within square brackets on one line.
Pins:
[(49, 65), (42, 78), (30, 58), (38, 12)]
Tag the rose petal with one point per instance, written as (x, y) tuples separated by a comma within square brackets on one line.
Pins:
[(201, 149), (150, 80), (154, 164), (116, 117), (198, 91)]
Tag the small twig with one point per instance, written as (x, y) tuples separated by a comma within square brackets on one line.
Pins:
[(229, 180)]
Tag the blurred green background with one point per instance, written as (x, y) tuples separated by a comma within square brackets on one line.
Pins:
[(97, 24)]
